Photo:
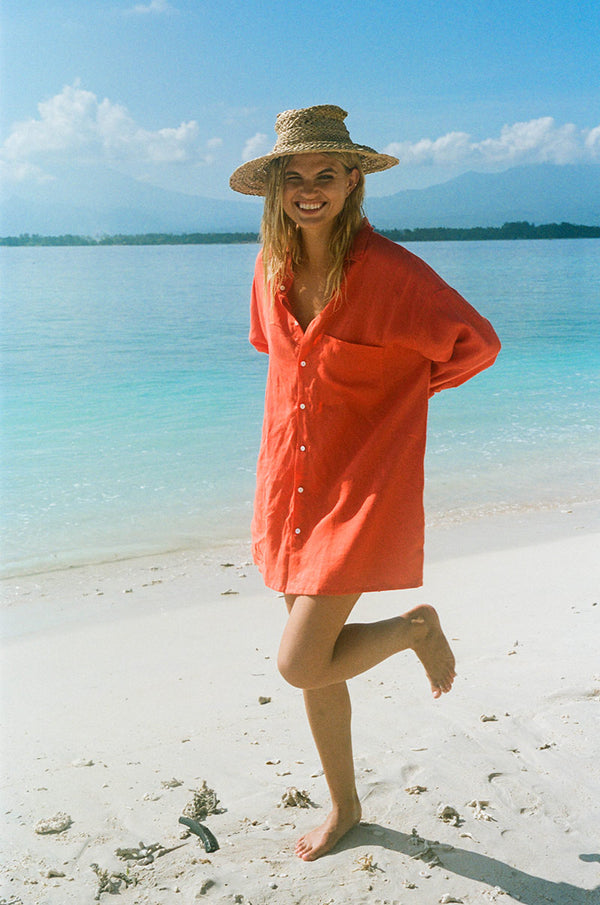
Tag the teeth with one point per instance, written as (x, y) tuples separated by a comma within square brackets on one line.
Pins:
[(309, 207)]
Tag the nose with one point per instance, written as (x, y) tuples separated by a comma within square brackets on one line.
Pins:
[(308, 186)]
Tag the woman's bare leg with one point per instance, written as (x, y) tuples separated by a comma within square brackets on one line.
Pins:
[(318, 648), (329, 715), (317, 653)]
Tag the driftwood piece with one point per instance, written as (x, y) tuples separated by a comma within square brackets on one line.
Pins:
[(203, 832)]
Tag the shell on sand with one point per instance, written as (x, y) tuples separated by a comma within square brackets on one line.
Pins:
[(205, 802), (57, 824), (449, 814), (365, 862), (171, 783), (295, 798)]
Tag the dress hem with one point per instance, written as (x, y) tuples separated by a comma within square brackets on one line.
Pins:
[(337, 592)]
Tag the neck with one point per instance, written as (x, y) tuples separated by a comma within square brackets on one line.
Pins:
[(316, 249)]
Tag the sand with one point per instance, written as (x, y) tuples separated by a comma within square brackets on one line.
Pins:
[(127, 685)]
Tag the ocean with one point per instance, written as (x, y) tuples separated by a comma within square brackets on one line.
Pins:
[(132, 401)]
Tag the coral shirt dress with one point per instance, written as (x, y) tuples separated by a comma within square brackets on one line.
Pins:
[(339, 495)]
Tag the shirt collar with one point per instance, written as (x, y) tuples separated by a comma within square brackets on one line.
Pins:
[(361, 241)]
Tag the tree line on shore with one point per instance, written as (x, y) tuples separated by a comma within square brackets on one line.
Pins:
[(518, 230)]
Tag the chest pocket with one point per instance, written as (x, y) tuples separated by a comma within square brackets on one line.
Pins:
[(350, 373)]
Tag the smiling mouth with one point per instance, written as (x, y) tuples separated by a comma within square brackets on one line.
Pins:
[(304, 206)]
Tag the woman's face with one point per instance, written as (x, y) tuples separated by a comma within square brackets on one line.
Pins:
[(315, 188)]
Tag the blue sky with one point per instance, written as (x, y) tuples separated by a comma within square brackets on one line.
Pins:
[(178, 93)]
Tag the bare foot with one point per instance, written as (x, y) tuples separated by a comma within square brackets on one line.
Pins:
[(432, 649), (322, 839)]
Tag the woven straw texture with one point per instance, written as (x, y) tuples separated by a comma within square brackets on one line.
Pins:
[(318, 129)]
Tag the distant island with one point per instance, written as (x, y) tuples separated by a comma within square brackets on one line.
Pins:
[(517, 230)]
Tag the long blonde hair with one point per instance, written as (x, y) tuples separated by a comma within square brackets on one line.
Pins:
[(282, 241)]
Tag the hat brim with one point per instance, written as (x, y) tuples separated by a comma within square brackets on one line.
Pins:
[(251, 177)]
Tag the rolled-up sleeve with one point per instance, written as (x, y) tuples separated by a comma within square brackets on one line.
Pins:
[(258, 332), (457, 340)]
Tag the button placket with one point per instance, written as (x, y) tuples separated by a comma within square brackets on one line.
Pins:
[(298, 499)]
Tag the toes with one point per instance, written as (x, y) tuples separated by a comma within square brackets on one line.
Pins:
[(305, 853), (303, 848), (442, 686)]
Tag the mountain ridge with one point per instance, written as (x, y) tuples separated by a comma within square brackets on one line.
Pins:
[(113, 204), (540, 193)]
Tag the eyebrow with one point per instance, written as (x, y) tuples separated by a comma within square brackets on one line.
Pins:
[(320, 172)]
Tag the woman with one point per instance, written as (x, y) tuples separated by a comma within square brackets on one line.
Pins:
[(360, 333)]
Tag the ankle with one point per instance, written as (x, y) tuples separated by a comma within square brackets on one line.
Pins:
[(346, 807), (419, 625)]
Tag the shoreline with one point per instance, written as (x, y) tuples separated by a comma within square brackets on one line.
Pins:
[(127, 684), (434, 523), (512, 231)]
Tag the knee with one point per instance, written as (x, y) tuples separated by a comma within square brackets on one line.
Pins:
[(293, 670), (290, 670)]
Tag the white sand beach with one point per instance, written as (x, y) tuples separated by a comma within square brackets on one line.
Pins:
[(127, 685)]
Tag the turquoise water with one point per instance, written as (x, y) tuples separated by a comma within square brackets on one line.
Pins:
[(132, 402)]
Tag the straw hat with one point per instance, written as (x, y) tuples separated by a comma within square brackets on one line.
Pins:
[(309, 131)]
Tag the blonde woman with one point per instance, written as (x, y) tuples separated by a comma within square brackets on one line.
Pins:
[(360, 333)]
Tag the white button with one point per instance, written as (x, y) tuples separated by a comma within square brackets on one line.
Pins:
[(282, 288), (301, 490), (303, 449), (302, 406), (297, 531), (302, 364)]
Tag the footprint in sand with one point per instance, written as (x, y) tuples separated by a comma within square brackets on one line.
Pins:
[(515, 795)]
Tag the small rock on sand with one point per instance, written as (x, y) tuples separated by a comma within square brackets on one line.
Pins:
[(449, 814), (205, 885)]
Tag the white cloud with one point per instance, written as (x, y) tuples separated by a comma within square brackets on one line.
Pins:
[(15, 171), (256, 146), (537, 141), (154, 7), (75, 126), (592, 142)]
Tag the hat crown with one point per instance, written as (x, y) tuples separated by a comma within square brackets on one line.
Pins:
[(313, 125), (319, 130)]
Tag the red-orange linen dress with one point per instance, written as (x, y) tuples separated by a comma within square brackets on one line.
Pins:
[(339, 496)]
